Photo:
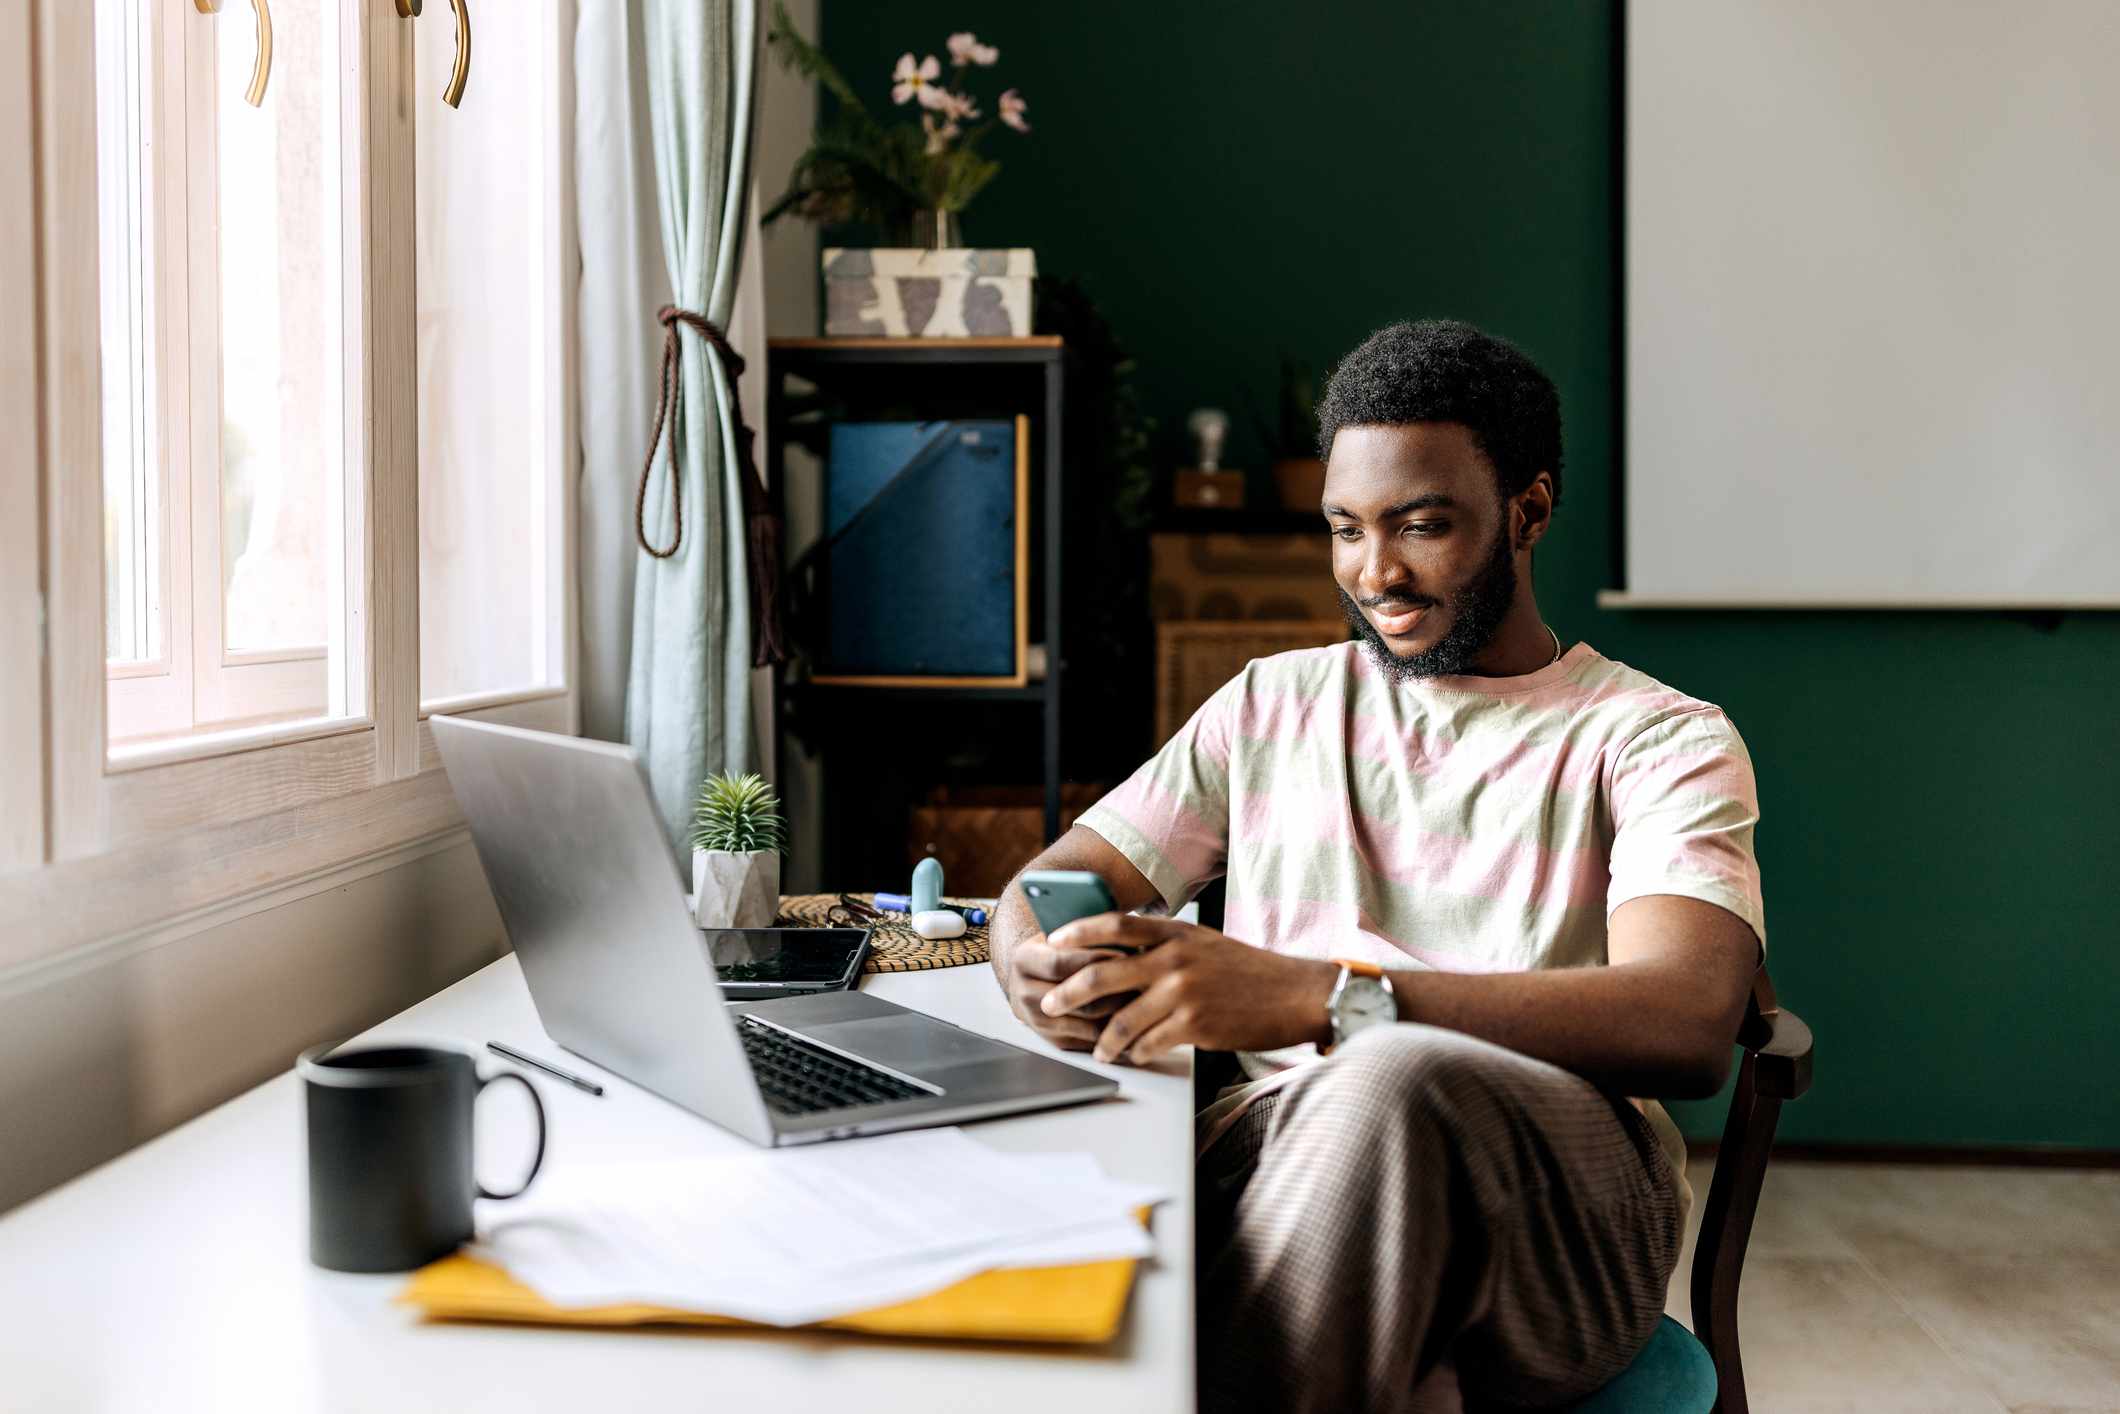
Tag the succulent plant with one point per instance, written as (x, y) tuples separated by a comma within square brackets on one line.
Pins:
[(738, 814)]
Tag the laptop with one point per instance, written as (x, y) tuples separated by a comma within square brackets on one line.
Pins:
[(594, 904)]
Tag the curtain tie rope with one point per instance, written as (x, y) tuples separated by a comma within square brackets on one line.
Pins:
[(762, 527), (670, 317)]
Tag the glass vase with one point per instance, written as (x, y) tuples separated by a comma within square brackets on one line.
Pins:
[(936, 230)]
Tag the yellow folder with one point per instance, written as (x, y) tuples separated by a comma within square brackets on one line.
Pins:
[(1078, 1305)]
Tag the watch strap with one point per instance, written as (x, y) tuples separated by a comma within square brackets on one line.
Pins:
[(1358, 967)]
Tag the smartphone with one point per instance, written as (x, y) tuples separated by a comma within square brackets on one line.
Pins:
[(756, 964), (1060, 896)]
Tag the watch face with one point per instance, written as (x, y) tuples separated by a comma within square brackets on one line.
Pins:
[(1367, 1003), (1363, 1003)]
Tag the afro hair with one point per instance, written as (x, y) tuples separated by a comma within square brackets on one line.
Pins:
[(1442, 370)]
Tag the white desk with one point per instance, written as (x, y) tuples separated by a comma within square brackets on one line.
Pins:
[(177, 1277)]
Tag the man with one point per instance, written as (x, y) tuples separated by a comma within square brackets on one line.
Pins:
[(1480, 891)]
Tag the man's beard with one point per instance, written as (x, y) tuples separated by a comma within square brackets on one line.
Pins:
[(1477, 612)]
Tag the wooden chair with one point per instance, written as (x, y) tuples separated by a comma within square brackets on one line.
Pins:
[(1775, 1068), (1700, 1372)]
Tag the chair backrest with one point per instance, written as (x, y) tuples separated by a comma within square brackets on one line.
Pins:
[(1775, 1067)]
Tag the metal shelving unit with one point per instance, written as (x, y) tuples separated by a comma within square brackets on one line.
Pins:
[(954, 378)]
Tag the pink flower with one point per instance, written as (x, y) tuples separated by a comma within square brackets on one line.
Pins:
[(965, 48), (1012, 107), (910, 81), (939, 135), (960, 105)]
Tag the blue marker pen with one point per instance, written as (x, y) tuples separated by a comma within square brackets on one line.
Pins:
[(903, 903)]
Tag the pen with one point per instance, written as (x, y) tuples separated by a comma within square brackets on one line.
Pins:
[(903, 903), (570, 1077)]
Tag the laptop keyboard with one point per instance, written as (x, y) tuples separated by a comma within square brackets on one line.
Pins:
[(798, 1078)]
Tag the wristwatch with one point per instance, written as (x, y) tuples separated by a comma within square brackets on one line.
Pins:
[(1362, 998)]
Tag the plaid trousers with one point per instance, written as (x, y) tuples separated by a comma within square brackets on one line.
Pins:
[(1424, 1218)]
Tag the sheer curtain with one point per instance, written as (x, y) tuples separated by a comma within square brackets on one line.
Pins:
[(664, 97)]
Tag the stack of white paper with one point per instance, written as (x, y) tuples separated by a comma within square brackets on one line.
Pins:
[(803, 1235)]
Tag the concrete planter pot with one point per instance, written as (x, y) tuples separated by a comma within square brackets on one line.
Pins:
[(735, 890)]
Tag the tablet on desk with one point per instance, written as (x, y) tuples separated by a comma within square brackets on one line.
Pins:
[(754, 964)]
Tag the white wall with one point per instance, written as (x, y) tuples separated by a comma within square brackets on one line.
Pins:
[(1871, 295), (104, 1049)]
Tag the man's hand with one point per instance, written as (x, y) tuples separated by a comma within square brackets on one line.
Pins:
[(1025, 961), (1197, 987), (1034, 967)]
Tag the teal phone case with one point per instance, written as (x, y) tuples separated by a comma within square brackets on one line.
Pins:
[(1060, 896)]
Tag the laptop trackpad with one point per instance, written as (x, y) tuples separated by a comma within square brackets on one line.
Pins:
[(914, 1044)]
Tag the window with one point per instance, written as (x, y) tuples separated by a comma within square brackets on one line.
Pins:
[(231, 264), (493, 351), (294, 388), (224, 271)]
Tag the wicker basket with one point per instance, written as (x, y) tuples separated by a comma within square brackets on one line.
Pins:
[(893, 945), (983, 835), (1194, 659)]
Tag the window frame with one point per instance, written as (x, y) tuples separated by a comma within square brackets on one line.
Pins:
[(23, 826), (161, 699), (559, 439), (153, 689), (231, 686), (181, 835)]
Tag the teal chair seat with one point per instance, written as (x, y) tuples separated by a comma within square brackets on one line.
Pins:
[(1672, 1375)]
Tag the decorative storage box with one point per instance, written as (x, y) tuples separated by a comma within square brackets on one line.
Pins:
[(936, 294)]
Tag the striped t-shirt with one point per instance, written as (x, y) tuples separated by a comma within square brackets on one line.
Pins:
[(1464, 824)]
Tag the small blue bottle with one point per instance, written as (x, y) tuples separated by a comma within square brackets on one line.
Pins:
[(927, 884)]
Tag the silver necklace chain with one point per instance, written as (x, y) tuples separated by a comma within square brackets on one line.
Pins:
[(1556, 647)]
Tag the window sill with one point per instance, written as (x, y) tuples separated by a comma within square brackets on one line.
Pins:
[(168, 751), (484, 701), (181, 882)]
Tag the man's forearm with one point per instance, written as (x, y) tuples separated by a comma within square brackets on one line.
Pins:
[(1637, 1028)]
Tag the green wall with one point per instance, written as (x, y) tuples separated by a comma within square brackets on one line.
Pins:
[(1941, 825)]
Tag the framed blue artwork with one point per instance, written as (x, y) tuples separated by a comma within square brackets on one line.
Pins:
[(926, 566)]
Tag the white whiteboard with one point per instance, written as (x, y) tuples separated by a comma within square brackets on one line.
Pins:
[(1873, 302)]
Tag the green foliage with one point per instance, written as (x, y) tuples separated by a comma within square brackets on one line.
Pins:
[(1294, 430), (1105, 416), (1111, 479), (738, 814), (857, 169), (956, 176), (808, 61), (1299, 406)]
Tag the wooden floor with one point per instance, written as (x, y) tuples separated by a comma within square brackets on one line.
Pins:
[(1881, 1288)]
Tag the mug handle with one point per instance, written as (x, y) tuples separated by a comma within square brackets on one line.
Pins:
[(537, 1160)]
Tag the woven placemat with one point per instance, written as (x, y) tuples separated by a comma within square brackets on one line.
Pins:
[(893, 945)]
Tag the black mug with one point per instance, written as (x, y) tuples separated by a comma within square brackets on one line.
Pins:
[(390, 1173)]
